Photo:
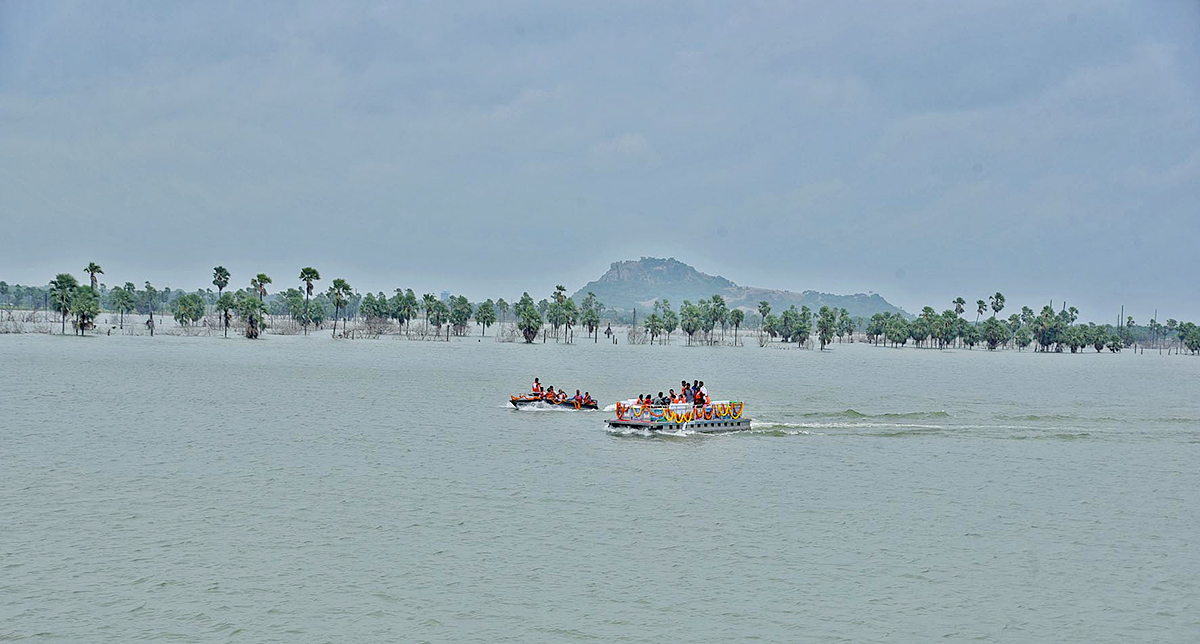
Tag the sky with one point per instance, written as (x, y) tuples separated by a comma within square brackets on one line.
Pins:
[(921, 150)]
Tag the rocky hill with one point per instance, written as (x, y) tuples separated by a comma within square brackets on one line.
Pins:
[(637, 284)]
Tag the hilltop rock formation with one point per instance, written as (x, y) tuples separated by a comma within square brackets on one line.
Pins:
[(637, 284)]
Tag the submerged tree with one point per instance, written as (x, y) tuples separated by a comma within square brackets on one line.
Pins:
[(485, 315), (826, 324), (339, 294), (225, 304), (736, 316), (253, 313), (502, 309), (308, 275), (62, 289), (529, 321), (459, 315), (188, 309), (124, 300), (85, 304)]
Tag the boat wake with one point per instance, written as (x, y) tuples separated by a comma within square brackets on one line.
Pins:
[(539, 406)]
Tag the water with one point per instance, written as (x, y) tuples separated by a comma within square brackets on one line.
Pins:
[(305, 490)]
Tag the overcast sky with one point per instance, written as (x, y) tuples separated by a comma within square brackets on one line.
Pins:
[(921, 150)]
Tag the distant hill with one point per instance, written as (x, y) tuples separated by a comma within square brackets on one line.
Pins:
[(637, 284)]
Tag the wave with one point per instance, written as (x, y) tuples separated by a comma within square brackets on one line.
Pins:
[(851, 413), (1036, 417), (540, 406)]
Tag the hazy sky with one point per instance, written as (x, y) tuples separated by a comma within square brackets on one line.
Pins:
[(922, 150)]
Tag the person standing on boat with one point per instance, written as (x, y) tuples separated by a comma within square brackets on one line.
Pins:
[(704, 392), (537, 388), (687, 392)]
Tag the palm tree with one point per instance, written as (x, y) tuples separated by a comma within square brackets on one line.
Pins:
[(502, 306), (981, 307), (429, 301), (735, 318), (997, 303), (220, 279), (62, 288), (259, 284), (764, 309), (339, 294), (92, 270), (308, 275), (960, 305)]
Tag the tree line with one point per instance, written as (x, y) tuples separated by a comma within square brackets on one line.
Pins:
[(704, 322)]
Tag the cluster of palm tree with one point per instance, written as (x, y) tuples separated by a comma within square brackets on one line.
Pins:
[(798, 325), (1047, 331), (561, 312), (699, 321), (69, 298)]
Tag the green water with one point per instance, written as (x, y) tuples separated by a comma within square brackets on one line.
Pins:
[(305, 490)]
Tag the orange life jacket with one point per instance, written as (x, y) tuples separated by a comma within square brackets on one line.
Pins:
[(537, 388)]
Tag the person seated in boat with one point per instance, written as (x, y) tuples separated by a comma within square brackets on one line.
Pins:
[(672, 397), (578, 398), (639, 401), (537, 388), (661, 400), (587, 398), (549, 393), (647, 401)]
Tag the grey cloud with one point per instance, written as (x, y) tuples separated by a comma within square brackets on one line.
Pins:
[(920, 152)]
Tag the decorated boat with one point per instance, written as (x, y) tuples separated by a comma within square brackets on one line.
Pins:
[(717, 416), (531, 400)]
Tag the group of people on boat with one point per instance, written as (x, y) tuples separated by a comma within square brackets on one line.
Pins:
[(694, 394), (550, 395)]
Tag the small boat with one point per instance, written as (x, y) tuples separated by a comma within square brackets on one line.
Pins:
[(717, 416), (530, 400)]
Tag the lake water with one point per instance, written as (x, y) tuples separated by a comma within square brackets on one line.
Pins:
[(308, 490)]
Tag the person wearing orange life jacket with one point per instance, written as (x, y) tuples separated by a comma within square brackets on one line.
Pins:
[(549, 394), (537, 388), (587, 398)]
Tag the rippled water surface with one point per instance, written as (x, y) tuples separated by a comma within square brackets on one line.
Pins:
[(305, 490)]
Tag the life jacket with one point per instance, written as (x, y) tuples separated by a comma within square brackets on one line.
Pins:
[(578, 398), (537, 388)]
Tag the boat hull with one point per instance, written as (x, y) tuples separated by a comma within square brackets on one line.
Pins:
[(521, 403), (703, 426)]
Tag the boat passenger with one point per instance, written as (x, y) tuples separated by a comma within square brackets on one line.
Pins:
[(587, 398), (704, 391), (660, 400), (578, 397), (674, 398), (549, 393), (537, 388), (687, 393), (639, 402)]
